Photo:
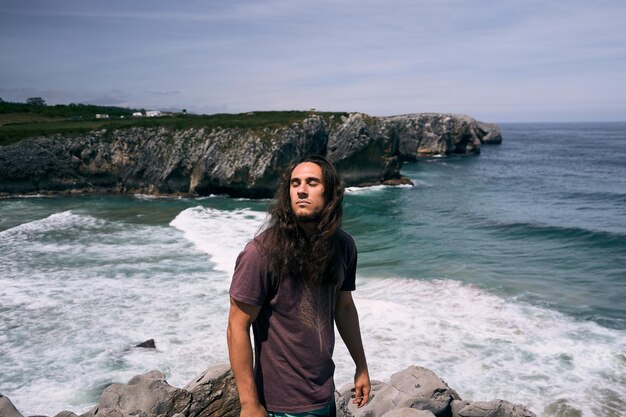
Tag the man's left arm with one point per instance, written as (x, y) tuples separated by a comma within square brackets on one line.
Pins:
[(347, 320)]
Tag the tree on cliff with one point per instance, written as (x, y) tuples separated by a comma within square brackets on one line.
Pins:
[(36, 101)]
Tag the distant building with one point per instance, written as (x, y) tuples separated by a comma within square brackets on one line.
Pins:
[(102, 116), (137, 114), (153, 113)]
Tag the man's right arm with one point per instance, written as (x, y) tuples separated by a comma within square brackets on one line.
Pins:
[(240, 319)]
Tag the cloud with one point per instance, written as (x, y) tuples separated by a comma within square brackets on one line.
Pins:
[(162, 93), (477, 57)]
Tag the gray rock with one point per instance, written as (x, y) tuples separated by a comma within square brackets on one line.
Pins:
[(414, 387), (214, 393), (413, 392), (148, 344), (441, 134), (146, 395), (66, 414), (495, 408), (363, 151), (408, 412), (7, 409)]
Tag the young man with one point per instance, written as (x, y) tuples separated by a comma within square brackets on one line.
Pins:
[(291, 284)]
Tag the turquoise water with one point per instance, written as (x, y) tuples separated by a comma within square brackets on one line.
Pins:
[(505, 273), (541, 217)]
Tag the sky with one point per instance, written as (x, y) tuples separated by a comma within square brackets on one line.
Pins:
[(497, 61)]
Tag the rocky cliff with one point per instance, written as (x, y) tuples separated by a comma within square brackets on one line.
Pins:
[(236, 161)]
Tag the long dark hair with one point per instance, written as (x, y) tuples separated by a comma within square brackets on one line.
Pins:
[(291, 253)]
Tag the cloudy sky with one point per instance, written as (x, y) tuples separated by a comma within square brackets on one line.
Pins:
[(499, 61)]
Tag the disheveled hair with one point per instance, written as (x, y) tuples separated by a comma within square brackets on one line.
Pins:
[(291, 253)]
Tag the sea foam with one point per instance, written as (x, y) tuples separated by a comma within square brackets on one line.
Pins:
[(71, 315), (486, 346), (220, 234)]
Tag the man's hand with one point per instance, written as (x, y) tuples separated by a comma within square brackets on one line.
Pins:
[(362, 388), (253, 410)]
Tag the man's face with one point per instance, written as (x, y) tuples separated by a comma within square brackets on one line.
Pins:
[(307, 191)]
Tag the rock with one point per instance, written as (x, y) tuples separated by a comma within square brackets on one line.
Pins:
[(144, 395), (362, 150), (441, 134), (149, 344), (408, 412), (7, 409), (413, 392), (415, 387), (399, 181), (495, 408), (214, 393), (66, 414), (491, 133), (236, 161)]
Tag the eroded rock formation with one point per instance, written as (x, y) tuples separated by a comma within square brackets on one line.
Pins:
[(240, 162)]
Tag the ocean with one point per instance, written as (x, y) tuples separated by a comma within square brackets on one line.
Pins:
[(504, 273)]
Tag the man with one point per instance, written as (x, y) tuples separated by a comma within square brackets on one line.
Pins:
[(290, 284)]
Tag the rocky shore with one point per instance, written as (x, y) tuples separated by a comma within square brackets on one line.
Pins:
[(235, 161), (413, 392)]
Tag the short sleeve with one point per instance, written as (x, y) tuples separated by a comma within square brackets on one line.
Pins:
[(350, 261), (251, 281)]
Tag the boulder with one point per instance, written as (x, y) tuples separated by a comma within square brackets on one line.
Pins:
[(214, 393), (7, 409), (66, 414), (495, 408), (413, 392), (144, 395), (148, 344), (408, 412), (415, 387)]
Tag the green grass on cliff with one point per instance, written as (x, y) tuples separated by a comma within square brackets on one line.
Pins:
[(21, 122)]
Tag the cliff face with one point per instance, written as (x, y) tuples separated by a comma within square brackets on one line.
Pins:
[(441, 134), (239, 162)]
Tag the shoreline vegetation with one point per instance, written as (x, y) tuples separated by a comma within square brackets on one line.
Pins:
[(20, 121)]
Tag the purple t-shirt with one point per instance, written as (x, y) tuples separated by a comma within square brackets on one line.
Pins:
[(294, 334)]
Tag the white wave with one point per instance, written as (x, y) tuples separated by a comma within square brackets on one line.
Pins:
[(221, 234), (95, 295), (485, 346), (374, 188), (58, 221), (159, 197), (12, 197)]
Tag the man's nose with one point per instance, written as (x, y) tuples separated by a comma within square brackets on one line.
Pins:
[(302, 190)]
